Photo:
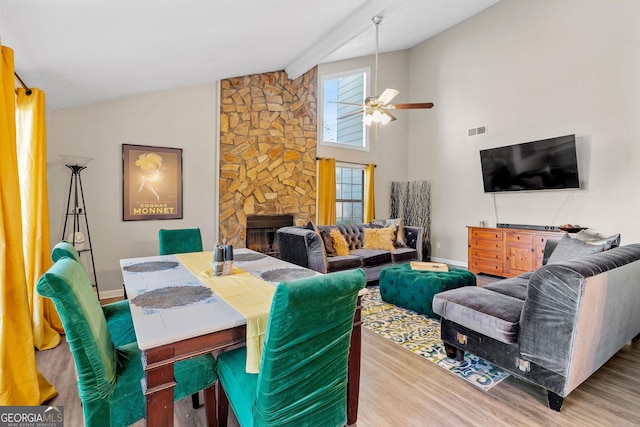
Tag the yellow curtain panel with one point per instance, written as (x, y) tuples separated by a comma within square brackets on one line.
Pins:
[(369, 200), (20, 381), (326, 191), (32, 170)]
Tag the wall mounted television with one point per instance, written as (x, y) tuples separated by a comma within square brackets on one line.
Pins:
[(547, 164)]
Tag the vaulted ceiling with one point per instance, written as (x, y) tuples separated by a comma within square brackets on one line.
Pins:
[(85, 51)]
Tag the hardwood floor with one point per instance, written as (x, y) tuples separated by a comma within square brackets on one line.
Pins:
[(399, 388)]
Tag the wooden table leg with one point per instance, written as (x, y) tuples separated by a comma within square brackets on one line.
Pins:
[(157, 385), (355, 349)]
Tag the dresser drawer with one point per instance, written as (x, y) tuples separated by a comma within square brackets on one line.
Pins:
[(486, 255), (484, 266), (486, 234), (541, 239), (520, 238), (490, 245)]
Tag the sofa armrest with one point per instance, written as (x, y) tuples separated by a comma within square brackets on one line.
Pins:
[(413, 237), (578, 313), (302, 247)]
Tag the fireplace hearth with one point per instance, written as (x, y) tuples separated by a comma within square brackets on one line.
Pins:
[(261, 232)]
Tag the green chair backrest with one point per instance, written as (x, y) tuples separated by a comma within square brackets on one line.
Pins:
[(67, 284), (64, 249), (304, 365), (180, 241)]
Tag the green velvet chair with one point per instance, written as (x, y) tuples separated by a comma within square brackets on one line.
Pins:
[(304, 364), (117, 314), (109, 376), (180, 241)]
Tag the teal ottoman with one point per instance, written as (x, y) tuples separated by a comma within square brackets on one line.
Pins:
[(414, 289)]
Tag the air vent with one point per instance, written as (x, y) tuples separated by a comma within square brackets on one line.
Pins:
[(480, 130)]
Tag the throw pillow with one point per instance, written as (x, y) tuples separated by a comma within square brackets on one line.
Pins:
[(339, 242), (399, 239), (568, 249), (599, 239), (328, 242), (379, 238), (311, 226)]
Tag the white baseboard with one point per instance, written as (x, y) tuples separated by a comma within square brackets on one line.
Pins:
[(113, 293), (450, 262)]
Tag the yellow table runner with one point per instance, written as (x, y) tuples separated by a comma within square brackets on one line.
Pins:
[(248, 294)]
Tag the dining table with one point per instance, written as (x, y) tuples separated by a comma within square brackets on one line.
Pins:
[(182, 309)]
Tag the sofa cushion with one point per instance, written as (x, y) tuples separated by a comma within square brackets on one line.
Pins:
[(569, 248), (401, 255), (379, 238), (339, 263), (514, 287), (372, 256), (339, 242), (482, 310)]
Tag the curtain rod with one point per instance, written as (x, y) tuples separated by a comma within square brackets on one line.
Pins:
[(349, 163), (24, 85)]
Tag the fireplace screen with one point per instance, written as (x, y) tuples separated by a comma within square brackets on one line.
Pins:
[(261, 232)]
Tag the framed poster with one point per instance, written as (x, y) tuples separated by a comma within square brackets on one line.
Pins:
[(151, 182)]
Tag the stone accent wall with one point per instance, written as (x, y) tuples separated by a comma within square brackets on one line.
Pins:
[(268, 134)]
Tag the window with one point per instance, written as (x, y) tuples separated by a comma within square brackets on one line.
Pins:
[(339, 128), (349, 195)]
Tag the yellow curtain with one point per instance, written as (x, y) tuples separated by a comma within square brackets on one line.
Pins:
[(20, 381), (32, 170), (326, 191), (369, 201)]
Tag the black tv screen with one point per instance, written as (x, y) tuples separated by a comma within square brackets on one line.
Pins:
[(547, 164)]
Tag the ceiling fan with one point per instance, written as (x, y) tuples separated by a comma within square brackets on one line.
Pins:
[(376, 108)]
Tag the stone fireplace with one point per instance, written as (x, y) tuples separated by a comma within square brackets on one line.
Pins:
[(261, 232), (268, 134)]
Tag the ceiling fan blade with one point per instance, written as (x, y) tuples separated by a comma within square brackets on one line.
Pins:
[(355, 113), (410, 106), (345, 103), (387, 96)]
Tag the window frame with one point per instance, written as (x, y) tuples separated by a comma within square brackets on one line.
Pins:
[(362, 195), (365, 129)]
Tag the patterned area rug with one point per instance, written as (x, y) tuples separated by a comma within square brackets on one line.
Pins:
[(421, 335)]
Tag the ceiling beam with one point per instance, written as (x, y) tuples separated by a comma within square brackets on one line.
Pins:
[(341, 34)]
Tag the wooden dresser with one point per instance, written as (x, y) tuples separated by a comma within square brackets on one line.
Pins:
[(507, 252)]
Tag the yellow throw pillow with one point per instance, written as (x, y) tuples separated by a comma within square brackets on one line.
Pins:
[(339, 242), (379, 238)]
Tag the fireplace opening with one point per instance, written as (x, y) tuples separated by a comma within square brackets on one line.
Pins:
[(261, 232)]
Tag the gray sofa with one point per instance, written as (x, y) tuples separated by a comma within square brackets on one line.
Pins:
[(553, 327), (305, 247)]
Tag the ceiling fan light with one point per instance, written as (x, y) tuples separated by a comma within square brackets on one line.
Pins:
[(377, 116), (385, 119), (367, 118)]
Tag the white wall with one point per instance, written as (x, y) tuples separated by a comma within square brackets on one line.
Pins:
[(388, 144), (183, 118), (530, 70)]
